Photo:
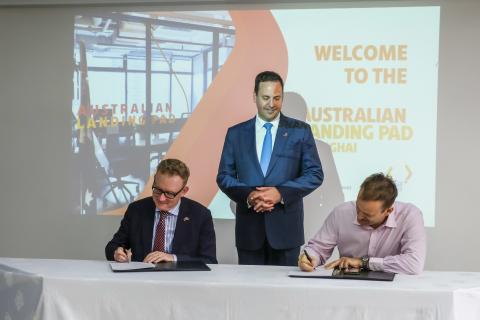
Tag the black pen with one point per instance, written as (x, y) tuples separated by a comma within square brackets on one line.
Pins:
[(126, 252), (306, 255)]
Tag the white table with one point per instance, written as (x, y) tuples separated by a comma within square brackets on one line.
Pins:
[(79, 289)]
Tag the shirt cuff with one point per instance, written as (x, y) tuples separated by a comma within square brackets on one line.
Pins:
[(174, 257), (375, 264)]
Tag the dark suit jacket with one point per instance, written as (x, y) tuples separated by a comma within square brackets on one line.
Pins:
[(194, 237), (294, 169)]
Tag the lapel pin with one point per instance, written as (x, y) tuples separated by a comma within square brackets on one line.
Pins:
[(285, 134), (186, 219)]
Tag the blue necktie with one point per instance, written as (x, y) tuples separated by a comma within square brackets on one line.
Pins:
[(266, 148)]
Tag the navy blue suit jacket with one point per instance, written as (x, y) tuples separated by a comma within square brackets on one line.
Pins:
[(294, 169), (194, 236)]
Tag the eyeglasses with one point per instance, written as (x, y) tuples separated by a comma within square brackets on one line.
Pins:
[(169, 195)]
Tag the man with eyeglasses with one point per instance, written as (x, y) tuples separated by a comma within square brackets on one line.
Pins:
[(166, 226)]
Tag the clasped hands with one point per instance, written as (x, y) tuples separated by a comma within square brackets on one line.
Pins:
[(263, 199), (125, 255)]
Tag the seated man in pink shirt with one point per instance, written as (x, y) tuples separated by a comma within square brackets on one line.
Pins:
[(373, 233)]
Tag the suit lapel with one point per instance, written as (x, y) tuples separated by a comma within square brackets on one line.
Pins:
[(280, 141), (147, 228), (183, 220), (252, 142)]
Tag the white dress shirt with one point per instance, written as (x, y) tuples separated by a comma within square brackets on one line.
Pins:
[(260, 132)]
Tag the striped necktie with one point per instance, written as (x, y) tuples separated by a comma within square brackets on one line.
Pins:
[(159, 244)]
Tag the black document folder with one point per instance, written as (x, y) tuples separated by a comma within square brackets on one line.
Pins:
[(339, 274), (162, 266)]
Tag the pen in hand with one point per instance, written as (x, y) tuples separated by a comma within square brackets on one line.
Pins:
[(128, 253), (306, 263), (308, 257)]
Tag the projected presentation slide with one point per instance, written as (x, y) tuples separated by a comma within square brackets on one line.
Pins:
[(151, 85)]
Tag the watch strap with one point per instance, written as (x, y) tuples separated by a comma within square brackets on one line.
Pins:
[(365, 261)]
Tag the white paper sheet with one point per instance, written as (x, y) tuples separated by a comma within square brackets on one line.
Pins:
[(133, 265), (320, 271)]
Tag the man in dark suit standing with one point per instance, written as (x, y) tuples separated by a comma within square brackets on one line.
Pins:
[(268, 164), (166, 226)]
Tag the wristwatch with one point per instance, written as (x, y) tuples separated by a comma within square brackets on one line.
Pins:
[(365, 260)]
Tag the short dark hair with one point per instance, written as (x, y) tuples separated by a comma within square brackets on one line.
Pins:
[(267, 76), (174, 167), (379, 187)]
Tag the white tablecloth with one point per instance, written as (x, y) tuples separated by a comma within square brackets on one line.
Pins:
[(78, 289)]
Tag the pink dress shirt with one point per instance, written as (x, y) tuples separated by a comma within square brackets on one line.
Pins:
[(398, 245)]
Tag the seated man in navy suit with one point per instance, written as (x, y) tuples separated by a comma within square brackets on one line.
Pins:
[(166, 226)]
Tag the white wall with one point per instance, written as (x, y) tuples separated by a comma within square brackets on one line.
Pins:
[(452, 244), (35, 105)]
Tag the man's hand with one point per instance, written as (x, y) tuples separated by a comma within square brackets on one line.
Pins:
[(345, 263), (306, 264), (158, 256), (269, 195), (258, 205), (261, 206), (264, 199), (122, 255)]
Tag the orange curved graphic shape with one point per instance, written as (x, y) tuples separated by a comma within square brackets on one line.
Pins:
[(259, 46)]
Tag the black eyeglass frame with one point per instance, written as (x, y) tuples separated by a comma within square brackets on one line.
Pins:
[(169, 195)]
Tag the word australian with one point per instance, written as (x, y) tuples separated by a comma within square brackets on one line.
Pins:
[(122, 108)]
